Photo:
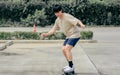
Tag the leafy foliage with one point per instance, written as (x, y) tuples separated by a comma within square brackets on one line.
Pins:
[(91, 12), (26, 35), (86, 34), (38, 17), (36, 36), (5, 35)]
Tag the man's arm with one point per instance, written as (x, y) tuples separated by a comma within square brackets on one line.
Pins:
[(52, 31), (75, 21), (81, 24)]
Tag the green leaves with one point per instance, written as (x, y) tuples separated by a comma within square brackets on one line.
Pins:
[(86, 34), (5, 35), (37, 17), (26, 35), (91, 12), (36, 36)]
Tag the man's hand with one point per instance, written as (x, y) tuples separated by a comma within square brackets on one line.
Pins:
[(83, 26), (43, 35)]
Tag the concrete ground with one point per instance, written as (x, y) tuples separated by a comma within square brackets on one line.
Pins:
[(105, 55), (102, 58), (42, 59)]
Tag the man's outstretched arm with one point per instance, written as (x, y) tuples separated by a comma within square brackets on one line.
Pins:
[(81, 24), (52, 31)]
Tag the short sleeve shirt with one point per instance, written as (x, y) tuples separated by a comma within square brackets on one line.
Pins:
[(68, 25)]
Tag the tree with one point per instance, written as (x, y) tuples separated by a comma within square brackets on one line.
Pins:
[(37, 18), (46, 1)]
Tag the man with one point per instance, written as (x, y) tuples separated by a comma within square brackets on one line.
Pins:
[(70, 27)]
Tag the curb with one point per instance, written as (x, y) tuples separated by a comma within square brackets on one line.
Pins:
[(4, 46), (43, 41), (9, 43)]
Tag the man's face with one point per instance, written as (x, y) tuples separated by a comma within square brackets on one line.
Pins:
[(58, 14)]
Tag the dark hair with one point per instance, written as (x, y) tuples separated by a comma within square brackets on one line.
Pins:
[(57, 8)]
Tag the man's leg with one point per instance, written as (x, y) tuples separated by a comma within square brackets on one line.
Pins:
[(63, 50), (68, 45), (67, 53)]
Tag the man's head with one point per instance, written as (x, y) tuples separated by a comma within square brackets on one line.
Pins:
[(57, 9)]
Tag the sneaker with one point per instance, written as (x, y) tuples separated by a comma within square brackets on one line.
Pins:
[(68, 69), (65, 67)]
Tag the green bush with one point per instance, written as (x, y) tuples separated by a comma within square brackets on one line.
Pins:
[(19, 35), (86, 34), (57, 35), (38, 17), (36, 36), (26, 35), (5, 35), (95, 13)]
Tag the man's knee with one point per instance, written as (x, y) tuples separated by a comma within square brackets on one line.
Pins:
[(67, 48), (63, 48)]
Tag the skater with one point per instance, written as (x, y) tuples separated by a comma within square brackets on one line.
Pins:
[(69, 26)]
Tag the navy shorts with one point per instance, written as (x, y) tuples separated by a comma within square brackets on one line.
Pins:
[(71, 41)]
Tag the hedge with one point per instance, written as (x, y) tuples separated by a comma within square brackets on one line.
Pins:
[(86, 34), (89, 13), (36, 36)]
